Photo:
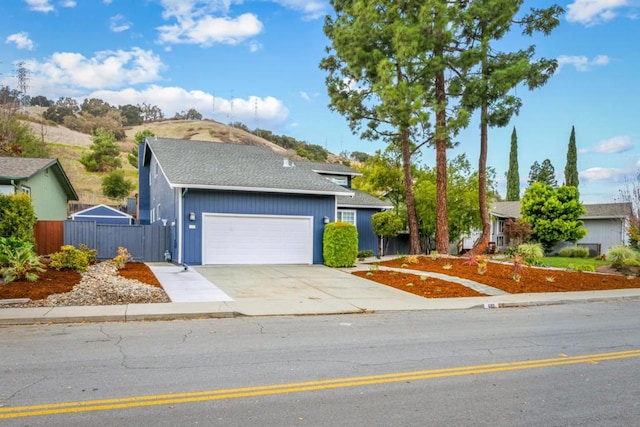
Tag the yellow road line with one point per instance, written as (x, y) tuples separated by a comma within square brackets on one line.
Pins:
[(234, 393)]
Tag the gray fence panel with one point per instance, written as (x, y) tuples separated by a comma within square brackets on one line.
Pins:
[(111, 237), (155, 242), (76, 232), (143, 242)]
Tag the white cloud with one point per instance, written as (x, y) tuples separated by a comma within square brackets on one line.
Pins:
[(582, 63), (591, 12), (107, 1), (310, 9), (21, 40), (65, 71), (254, 46), (304, 95), (118, 23), (268, 111), (196, 23), (68, 3), (603, 174), (617, 144), (39, 6)]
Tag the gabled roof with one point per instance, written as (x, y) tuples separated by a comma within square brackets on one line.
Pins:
[(329, 168), (102, 211), (228, 166), (594, 211), (361, 200), (21, 168)]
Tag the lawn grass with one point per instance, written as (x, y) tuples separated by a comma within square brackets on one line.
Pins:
[(564, 262)]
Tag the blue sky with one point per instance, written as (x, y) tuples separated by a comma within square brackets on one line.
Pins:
[(256, 61)]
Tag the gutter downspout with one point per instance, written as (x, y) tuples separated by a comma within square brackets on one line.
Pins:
[(180, 228)]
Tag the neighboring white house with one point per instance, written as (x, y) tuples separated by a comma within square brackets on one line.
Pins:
[(606, 224)]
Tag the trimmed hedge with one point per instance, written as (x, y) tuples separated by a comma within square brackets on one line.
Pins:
[(340, 244)]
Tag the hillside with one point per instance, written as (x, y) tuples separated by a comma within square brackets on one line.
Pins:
[(68, 146)]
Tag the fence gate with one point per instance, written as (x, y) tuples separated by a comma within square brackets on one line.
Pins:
[(144, 242), (49, 236)]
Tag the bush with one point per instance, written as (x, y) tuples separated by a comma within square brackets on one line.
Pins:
[(69, 257), (17, 217), (122, 258), (530, 251), (619, 254), (18, 260), (582, 267), (574, 252), (365, 254), (340, 244), (92, 254)]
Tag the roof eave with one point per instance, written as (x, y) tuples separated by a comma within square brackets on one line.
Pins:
[(260, 189)]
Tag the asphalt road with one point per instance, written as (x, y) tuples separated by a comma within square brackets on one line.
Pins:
[(576, 364)]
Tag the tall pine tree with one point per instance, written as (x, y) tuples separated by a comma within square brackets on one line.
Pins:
[(571, 168), (513, 175)]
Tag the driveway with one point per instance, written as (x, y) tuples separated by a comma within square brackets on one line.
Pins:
[(303, 289)]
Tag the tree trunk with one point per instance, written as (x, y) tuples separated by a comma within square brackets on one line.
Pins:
[(442, 224), (481, 244), (414, 235)]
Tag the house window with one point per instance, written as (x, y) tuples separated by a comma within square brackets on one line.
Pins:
[(347, 216), (339, 180), (500, 241), (500, 226), (26, 190)]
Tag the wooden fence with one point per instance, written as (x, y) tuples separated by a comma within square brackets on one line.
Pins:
[(49, 236)]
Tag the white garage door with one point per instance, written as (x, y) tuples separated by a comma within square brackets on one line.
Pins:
[(257, 239)]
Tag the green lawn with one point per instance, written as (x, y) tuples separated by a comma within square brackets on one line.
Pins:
[(563, 262)]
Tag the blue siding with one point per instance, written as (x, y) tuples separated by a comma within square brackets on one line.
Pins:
[(114, 220), (367, 238), (200, 201)]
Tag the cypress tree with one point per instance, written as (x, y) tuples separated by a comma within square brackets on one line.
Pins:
[(513, 175), (571, 168)]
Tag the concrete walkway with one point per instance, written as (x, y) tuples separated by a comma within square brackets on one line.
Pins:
[(226, 291)]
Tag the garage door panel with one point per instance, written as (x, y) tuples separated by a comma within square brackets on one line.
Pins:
[(257, 239)]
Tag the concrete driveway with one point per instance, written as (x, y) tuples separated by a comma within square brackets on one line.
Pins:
[(303, 289)]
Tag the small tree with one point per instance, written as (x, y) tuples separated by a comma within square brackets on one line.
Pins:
[(386, 224), (513, 175), (553, 214), (517, 232), (116, 186), (571, 168), (544, 173), (139, 137), (104, 155)]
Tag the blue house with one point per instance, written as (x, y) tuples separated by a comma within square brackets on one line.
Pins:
[(103, 214), (239, 204)]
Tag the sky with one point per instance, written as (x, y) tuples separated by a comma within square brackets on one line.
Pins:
[(256, 62)]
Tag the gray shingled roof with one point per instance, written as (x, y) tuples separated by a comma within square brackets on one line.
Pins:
[(363, 200), (328, 168), (20, 168), (214, 165), (596, 210)]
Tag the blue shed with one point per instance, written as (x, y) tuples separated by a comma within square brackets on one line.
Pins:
[(103, 214)]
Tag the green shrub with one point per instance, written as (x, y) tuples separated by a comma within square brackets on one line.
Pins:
[(631, 262), (92, 254), (530, 251), (69, 257), (340, 244), (618, 254), (17, 217), (574, 252), (582, 267), (18, 260), (365, 254)]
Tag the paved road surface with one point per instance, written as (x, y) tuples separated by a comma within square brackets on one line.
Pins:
[(575, 364)]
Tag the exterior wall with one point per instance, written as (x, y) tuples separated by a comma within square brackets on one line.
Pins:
[(608, 232), (199, 201), (47, 196), (144, 203), (162, 198), (367, 238)]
